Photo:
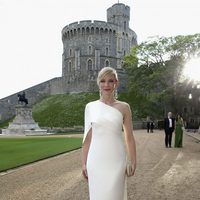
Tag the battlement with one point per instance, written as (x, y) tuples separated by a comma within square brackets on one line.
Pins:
[(119, 7), (84, 24)]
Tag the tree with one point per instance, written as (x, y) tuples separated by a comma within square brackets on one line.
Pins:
[(154, 68)]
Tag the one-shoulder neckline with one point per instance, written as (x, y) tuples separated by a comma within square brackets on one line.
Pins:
[(112, 108)]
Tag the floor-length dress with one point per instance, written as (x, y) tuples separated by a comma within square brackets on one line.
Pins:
[(178, 134), (106, 161)]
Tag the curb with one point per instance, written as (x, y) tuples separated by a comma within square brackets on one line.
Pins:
[(193, 136)]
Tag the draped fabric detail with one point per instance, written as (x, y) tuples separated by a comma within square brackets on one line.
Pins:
[(87, 122), (106, 160)]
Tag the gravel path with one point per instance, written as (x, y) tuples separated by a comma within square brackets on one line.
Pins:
[(162, 174)]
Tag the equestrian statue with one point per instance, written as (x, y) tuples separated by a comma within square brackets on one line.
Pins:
[(22, 99)]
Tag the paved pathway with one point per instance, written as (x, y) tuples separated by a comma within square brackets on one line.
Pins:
[(162, 174)]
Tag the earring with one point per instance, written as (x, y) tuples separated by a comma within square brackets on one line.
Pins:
[(100, 93), (116, 94)]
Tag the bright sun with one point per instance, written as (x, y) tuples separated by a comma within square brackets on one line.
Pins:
[(192, 69)]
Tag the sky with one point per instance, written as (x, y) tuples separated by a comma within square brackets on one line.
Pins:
[(30, 32)]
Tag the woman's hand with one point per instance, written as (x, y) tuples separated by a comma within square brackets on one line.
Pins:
[(133, 168), (130, 170), (84, 172)]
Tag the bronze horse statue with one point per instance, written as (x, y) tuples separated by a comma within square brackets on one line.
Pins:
[(22, 98)]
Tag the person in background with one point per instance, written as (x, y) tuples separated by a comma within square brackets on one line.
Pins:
[(152, 126), (169, 125), (179, 125)]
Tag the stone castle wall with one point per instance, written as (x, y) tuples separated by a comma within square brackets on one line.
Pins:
[(33, 94), (88, 46)]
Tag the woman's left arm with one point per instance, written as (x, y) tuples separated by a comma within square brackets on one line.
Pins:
[(129, 138)]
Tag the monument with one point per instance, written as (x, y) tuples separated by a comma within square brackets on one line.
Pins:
[(23, 123)]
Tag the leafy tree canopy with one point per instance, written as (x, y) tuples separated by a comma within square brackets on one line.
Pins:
[(155, 76)]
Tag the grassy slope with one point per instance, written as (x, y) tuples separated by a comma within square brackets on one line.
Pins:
[(15, 152), (66, 110), (63, 110)]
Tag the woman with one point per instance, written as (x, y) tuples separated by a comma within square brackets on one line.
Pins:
[(179, 131), (104, 160)]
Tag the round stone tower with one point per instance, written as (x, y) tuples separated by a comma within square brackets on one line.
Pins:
[(89, 46)]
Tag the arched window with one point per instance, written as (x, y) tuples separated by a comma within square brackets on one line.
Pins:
[(87, 30), (92, 30), (89, 65), (79, 31), (97, 30), (107, 63), (125, 25), (107, 51), (70, 52), (83, 31), (70, 66)]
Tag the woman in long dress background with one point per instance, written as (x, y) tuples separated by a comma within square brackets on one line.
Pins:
[(179, 125), (104, 153)]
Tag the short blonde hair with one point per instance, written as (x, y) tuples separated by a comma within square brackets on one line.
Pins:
[(106, 71)]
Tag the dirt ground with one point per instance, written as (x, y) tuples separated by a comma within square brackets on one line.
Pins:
[(162, 174)]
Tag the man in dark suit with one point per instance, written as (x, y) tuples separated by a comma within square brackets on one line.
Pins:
[(169, 125)]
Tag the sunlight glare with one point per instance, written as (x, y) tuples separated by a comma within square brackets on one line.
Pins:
[(192, 69)]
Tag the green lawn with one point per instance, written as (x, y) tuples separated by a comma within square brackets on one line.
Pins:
[(15, 152)]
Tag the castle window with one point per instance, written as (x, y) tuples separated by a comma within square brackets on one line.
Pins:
[(70, 66), (83, 31), (89, 65), (79, 31), (125, 25), (124, 52), (107, 40), (90, 50), (71, 33), (74, 32), (97, 30), (101, 30), (107, 63), (70, 52), (107, 51), (92, 30), (87, 30)]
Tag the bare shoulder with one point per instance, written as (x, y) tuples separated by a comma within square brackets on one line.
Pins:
[(124, 104), (124, 107)]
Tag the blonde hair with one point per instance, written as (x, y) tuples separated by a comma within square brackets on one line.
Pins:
[(106, 71)]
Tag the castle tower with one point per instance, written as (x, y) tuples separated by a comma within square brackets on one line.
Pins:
[(89, 46), (119, 14)]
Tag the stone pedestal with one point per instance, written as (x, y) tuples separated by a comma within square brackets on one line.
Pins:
[(23, 123)]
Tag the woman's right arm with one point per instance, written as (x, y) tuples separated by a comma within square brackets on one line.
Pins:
[(85, 150)]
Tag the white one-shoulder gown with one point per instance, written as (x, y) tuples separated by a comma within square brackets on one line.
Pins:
[(106, 161)]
